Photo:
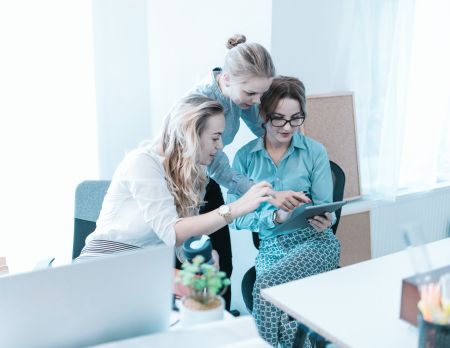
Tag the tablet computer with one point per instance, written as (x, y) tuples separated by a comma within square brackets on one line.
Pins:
[(321, 209)]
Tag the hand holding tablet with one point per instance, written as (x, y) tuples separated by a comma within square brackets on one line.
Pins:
[(300, 217)]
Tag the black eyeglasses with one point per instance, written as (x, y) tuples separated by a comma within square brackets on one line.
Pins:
[(277, 120)]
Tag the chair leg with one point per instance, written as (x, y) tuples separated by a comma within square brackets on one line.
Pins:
[(300, 337), (303, 332), (317, 341)]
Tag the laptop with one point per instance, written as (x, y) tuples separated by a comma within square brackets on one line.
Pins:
[(87, 303)]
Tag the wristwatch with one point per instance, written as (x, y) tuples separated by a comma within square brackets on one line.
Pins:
[(274, 218), (225, 212)]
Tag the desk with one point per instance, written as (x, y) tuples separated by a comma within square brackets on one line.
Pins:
[(239, 332), (358, 305)]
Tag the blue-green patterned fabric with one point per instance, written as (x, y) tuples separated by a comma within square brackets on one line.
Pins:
[(283, 259)]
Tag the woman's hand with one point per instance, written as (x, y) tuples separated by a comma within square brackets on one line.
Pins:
[(321, 222), (251, 200), (289, 200)]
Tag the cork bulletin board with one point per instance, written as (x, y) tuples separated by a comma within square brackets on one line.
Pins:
[(331, 121)]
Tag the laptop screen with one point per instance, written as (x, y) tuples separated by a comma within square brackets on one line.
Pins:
[(87, 303)]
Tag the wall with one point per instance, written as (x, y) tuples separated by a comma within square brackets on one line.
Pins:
[(304, 43), (121, 78), (47, 125)]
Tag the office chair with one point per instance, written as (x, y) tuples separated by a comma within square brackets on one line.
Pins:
[(249, 278), (89, 196)]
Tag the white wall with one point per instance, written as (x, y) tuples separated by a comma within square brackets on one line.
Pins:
[(304, 43), (121, 78), (47, 125)]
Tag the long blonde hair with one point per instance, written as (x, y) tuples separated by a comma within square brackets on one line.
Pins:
[(180, 145)]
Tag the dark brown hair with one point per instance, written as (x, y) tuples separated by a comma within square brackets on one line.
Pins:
[(283, 87)]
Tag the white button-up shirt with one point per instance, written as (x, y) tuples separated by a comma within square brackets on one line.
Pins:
[(138, 208)]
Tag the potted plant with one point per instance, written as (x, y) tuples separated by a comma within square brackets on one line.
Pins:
[(204, 286)]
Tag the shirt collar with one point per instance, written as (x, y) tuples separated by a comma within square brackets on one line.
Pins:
[(259, 145), (216, 89), (298, 141)]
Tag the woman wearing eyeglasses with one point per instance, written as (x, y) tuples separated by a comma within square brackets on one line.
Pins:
[(290, 248)]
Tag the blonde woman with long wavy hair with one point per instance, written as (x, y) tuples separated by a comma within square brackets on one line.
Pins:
[(158, 188)]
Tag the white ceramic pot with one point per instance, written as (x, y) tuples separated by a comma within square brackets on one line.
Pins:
[(189, 316)]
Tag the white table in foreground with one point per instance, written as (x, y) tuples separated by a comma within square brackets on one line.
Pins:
[(240, 332), (358, 305)]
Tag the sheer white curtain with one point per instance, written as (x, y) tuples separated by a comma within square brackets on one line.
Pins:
[(394, 56), (426, 146), (47, 125)]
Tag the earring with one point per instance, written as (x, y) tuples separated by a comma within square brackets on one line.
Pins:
[(225, 80)]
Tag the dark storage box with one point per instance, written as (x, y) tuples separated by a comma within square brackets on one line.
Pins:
[(411, 295)]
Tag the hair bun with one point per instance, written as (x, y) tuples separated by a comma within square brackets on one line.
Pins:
[(235, 40)]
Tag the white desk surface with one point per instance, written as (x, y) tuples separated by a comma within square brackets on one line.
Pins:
[(357, 305), (239, 332)]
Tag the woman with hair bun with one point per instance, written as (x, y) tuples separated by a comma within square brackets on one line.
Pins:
[(246, 74)]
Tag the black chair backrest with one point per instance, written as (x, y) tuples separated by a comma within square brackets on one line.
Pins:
[(338, 177), (89, 196)]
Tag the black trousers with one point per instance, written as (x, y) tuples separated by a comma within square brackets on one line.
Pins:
[(220, 239)]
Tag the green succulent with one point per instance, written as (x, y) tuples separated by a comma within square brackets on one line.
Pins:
[(204, 281)]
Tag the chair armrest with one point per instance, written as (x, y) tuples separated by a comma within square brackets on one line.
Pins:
[(44, 263)]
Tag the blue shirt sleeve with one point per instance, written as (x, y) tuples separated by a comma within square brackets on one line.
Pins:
[(253, 120), (321, 181), (261, 219), (220, 171)]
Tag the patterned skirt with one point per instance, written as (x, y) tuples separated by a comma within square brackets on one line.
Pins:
[(282, 259)]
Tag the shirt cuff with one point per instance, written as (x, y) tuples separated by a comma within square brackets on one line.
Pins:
[(266, 219)]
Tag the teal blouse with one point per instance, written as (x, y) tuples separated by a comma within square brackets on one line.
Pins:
[(304, 167)]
